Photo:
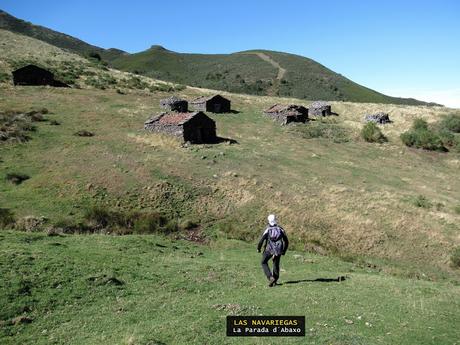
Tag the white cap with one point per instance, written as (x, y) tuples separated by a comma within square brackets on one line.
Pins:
[(271, 219)]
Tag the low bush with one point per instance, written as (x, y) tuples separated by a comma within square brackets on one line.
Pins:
[(420, 136), (372, 133), (451, 123), (7, 218), (421, 201)]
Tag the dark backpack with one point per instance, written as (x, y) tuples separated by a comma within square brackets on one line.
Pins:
[(275, 240)]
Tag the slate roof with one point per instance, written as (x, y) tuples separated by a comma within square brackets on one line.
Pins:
[(288, 110), (172, 118)]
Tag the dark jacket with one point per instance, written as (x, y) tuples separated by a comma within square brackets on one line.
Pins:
[(265, 239)]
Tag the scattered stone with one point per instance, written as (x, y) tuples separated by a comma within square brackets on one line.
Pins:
[(350, 322), (380, 118)]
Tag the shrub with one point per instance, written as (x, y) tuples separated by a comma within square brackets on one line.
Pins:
[(455, 257), (447, 138), (6, 218), (421, 201), (451, 123), (419, 124), (372, 133), (16, 178), (420, 136)]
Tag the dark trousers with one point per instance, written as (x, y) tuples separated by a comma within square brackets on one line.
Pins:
[(266, 256)]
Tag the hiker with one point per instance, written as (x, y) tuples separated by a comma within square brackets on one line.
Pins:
[(276, 244)]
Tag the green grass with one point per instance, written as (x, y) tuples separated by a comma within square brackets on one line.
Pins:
[(338, 194), (151, 290)]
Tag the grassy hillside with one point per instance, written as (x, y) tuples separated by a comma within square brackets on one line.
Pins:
[(151, 290), (248, 72), (73, 69), (58, 39), (338, 195)]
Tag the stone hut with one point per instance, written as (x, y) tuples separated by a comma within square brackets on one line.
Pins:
[(319, 108), (213, 104), (380, 118), (174, 103), (34, 75), (287, 113), (195, 127)]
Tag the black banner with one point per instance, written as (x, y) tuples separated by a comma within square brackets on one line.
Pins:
[(265, 326)]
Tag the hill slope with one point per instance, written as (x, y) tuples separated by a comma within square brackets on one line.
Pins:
[(338, 195), (258, 72), (58, 39)]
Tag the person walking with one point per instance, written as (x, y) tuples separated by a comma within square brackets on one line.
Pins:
[(276, 244)]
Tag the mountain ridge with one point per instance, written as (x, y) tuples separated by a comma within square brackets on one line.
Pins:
[(256, 71)]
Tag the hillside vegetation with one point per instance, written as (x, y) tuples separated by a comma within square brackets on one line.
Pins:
[(248, 72), (335, 193)]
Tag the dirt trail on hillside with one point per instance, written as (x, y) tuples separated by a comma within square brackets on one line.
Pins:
[(274, 90), (281, 70)]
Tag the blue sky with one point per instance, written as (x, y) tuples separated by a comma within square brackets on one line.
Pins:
[(402, 48)]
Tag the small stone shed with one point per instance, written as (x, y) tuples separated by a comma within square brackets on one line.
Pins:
[(34, 75), (194, 127), (380, 118), (319, 108), (213, 104), (287, 113), (174, 103)]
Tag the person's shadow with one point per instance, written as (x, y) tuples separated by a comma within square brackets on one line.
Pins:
[(317, 280)]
